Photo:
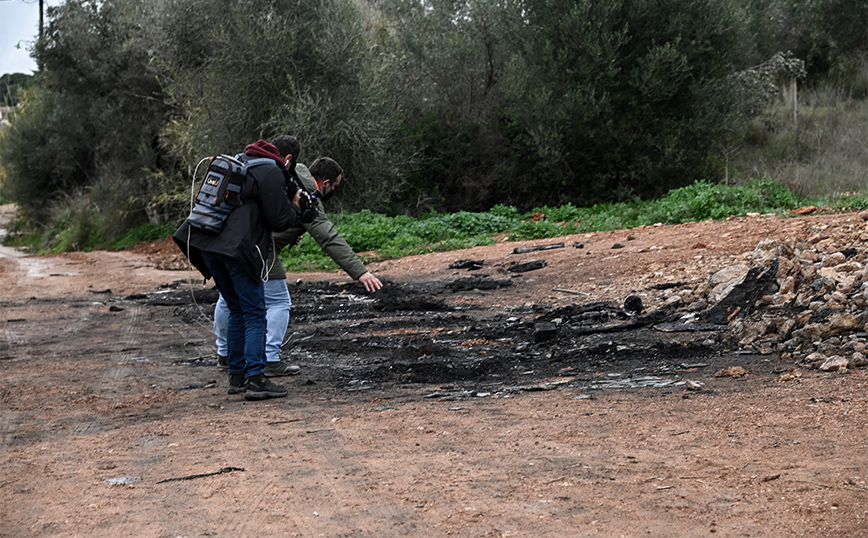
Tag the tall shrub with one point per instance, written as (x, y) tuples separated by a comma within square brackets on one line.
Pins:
[(613, 100), (91, 124), (239, 71)]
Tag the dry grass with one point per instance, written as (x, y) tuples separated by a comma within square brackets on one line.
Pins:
[(823, 152)]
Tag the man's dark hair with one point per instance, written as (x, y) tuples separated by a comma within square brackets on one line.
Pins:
[(288, 145), (325, 168)]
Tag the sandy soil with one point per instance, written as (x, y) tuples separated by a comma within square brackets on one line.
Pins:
[(441, 420)]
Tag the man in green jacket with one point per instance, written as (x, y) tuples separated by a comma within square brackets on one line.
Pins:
[(324, 175)]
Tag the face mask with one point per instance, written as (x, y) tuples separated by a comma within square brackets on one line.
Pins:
[(327, 197)]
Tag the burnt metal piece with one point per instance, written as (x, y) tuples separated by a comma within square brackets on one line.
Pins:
[(470, 265), (522, 250), (529, 266), (633, 304)]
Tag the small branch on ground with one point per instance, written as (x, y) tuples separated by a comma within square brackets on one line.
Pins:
[(191, 477)]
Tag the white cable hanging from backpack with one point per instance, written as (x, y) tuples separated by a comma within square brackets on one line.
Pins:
[(193, 185), (268, 268), (263, 274), (189, 264)]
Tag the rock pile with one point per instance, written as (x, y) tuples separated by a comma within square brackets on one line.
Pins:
[(812, 308)]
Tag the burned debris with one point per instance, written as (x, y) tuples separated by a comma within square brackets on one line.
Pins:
[(477, 283), (470, 265), (535, 248), (633, 304), (528, 266), (742, 300), (801, 304)]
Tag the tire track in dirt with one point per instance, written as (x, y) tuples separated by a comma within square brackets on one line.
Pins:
[(120, 364), (13, 341), (328, 484), (9, 424), (33, 328)]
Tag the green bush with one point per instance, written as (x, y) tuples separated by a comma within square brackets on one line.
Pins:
[(703, 201), (383, 237), (144, 233), (529, 229), (851, 202), (77, 230), (377, 236)]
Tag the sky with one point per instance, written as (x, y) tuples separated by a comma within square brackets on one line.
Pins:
[(19, 25)]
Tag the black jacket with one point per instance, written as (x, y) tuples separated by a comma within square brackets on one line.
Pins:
[(246, 235)]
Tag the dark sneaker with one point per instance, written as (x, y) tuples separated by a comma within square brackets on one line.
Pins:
[(237, 384), (260, 387), (280, 369), (223, 362)]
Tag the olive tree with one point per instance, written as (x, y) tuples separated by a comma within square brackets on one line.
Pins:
[(447, 63), (614, 100), (87, 134), (239, 71)]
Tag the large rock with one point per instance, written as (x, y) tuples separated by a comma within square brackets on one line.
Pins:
[(723, 281), (835, 363)]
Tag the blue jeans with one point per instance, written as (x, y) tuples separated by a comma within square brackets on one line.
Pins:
[(277, 307), (245, 299)]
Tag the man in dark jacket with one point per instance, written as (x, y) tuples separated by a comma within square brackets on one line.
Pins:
[(328, 177), (235, 258)]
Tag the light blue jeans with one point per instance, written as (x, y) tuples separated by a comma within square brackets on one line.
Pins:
[(277, 306)]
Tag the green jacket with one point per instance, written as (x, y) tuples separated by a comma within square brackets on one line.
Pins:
[(323, 232)]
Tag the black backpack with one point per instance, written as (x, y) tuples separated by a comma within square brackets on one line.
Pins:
[(220, 192)]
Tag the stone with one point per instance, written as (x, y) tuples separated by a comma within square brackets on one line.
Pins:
[(834, 259), (834, 363), (816, 238), (789, 377), (810, 256), (786, 267), (698, 306), (781, 299), (839, 298), (732, 371), (785, 327), (723, 281), (848, 267), (842, 322), (772, 248), (830, 277)]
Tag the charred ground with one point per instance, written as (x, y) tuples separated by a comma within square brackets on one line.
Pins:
[(416, 333)]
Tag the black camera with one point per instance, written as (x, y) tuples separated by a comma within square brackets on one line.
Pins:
[(307, 201)]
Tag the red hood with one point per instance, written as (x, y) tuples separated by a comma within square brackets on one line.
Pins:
[(261, 148)]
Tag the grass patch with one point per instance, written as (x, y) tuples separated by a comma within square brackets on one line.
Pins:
[(377, 237), (820, 152), (144, 234)]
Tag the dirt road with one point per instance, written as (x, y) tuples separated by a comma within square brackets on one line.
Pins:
[(428, 409)]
